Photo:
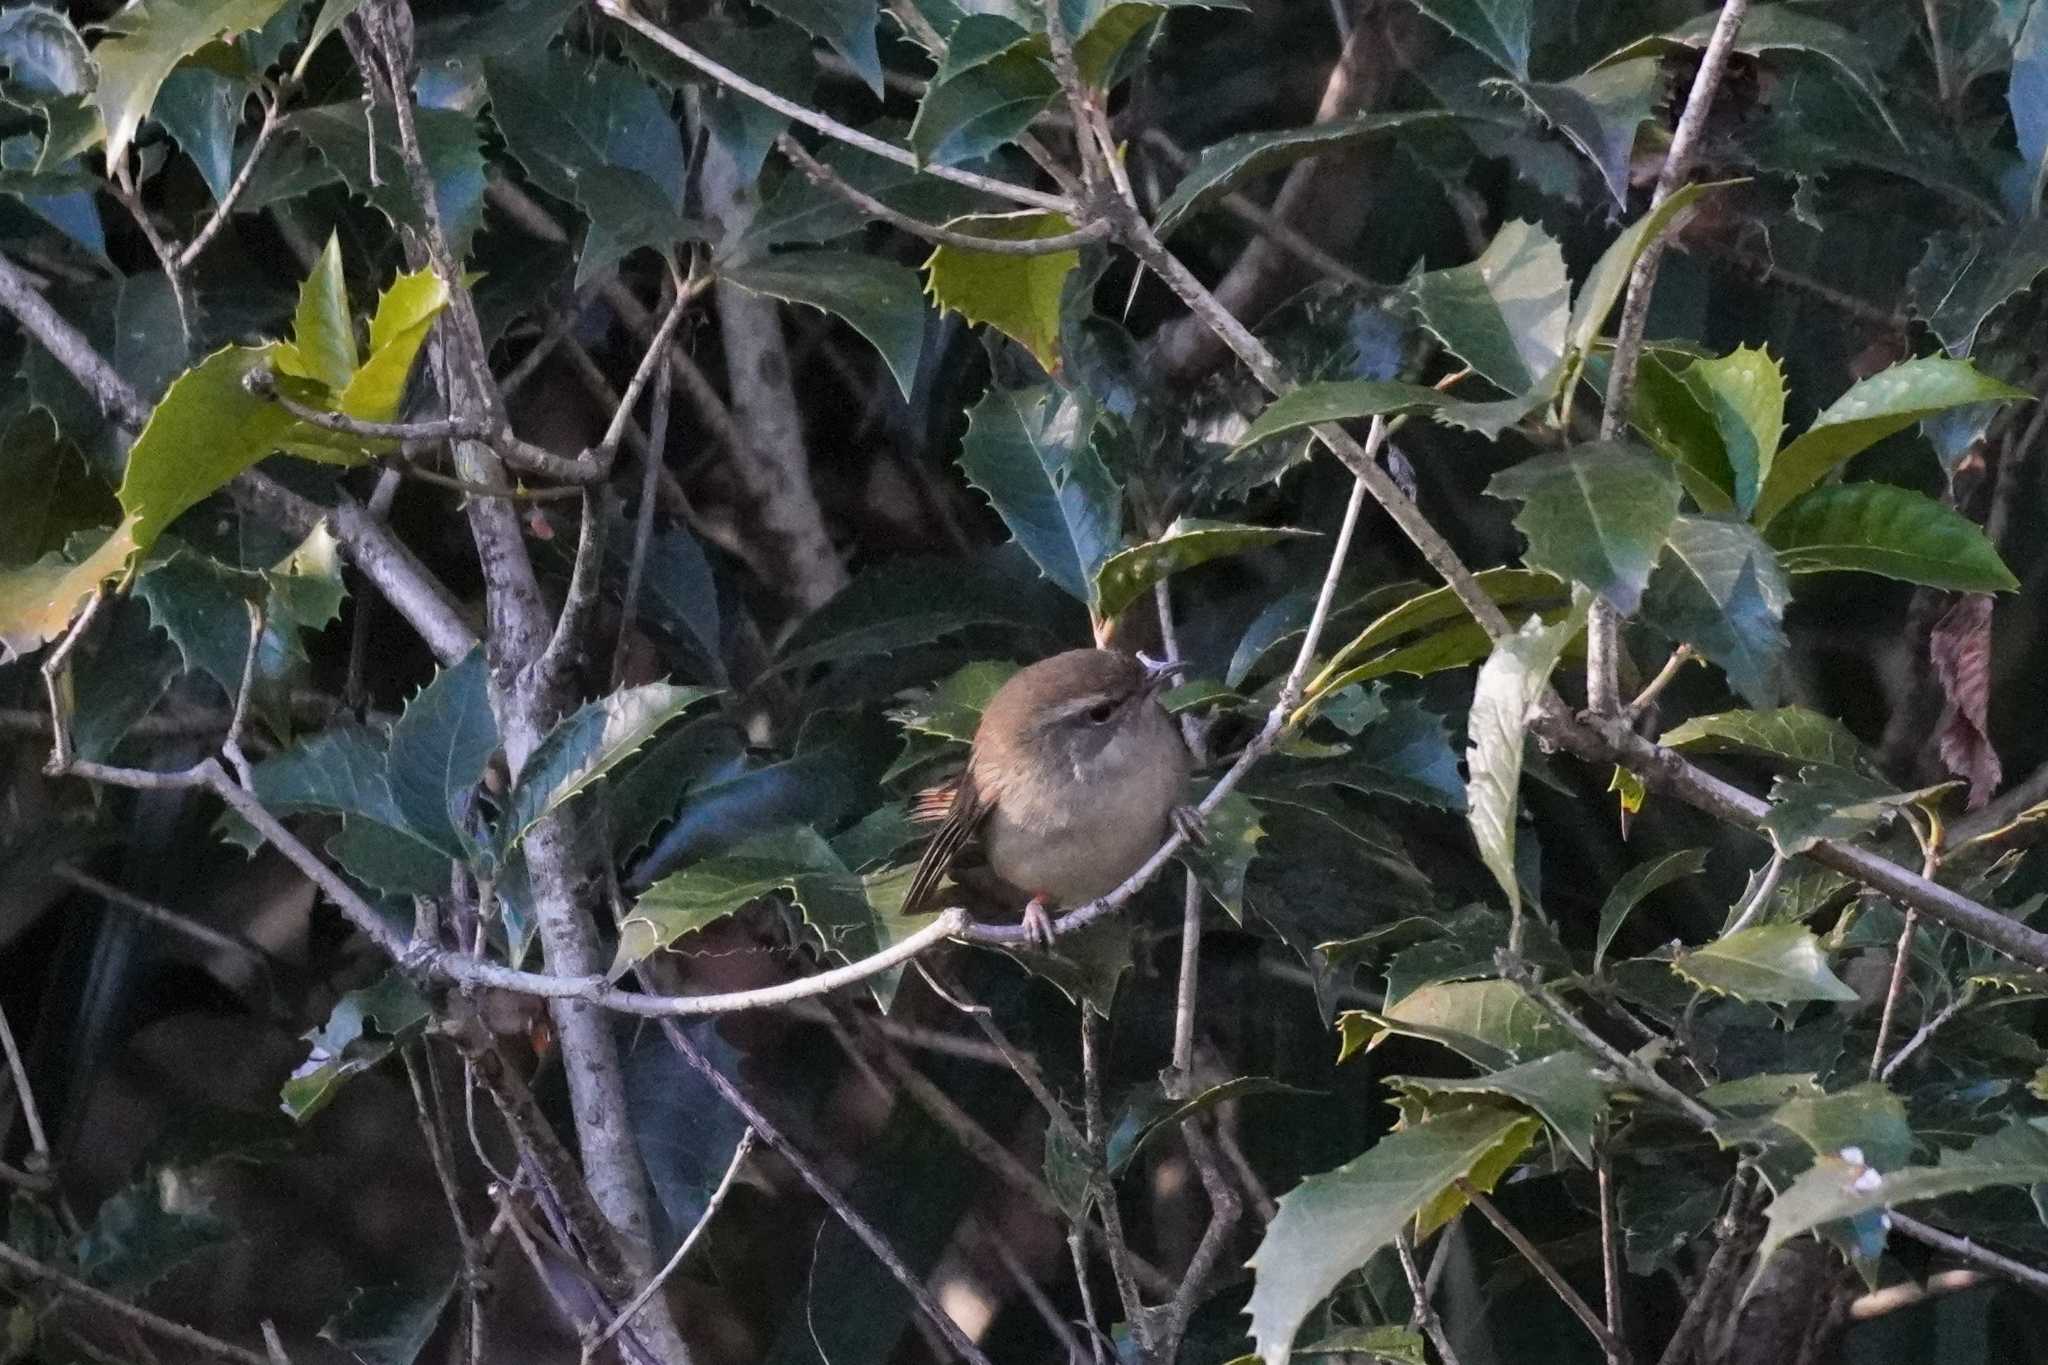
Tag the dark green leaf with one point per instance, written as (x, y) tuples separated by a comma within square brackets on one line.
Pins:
[(1223, 166), (907, 602), (1743, 393), (1308, 405), (448, 144), (1882, 529), (1600, 112), (1498, 28), (1504, 314), (1789, 732), (1719, 589), (1969, 274), (1676, 422), (1029, 452), (389, 1324), (1128, 574), (994, 82), (1609, 276), (144, 1231), (877, 298), (586, 745), (1490, 1023), (1232, 832), (1150, 1115), (848, 25), (438, 751), (200, 108), (142, 45), (1829, 803), (802, 212), (1638, 882), (1776, 964), (1596, 514)]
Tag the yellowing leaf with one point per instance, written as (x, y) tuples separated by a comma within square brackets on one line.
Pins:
[(37, 601), (1019, 296)]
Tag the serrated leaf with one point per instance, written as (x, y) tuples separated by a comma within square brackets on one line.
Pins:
[(586, 745), (1792, 733), (38, 601), (323, 344), (1108, 31), (1150, 1115), (1866, 1117), (1031, 453), (1562, 1088), (1883, 529), (848, 25), (1773, 964), (1829, 803), (910, 601), (1743, 394), (145, 40), (1503, 314), (952, 709), (1890, 400), (438, 750), (1637, 883), (1332, 1223), (204, 607), (1308, 405), (1391, 1344), (199, 108), (1511, 680), (801, 212), (1609, 277), (1600, 112), (449, 146), (1231, 832), (1834, 1188), (144, 1231), (993, 83), (877, 298), (1427, 614), (360, 1032), (1224, 165), (398, 329), (1490, 1023), (1718, 588), (1970, 273), (1130, 573), (1596, 514), (1498, 28), (389, 1324), (1672, 417), (1402, 750), (1019, 296)]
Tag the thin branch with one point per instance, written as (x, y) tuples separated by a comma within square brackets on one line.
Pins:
[(740, 1152), (831, 127), (1730, 1249), (223, 210), (1639, 1074), (1424, 1314), (825, 1190), (170, 919), (1559, 1285), (1963, 1249), (263, 383), (231, 743), (1927, 1031), (440, 1152), (1610, 1252), (38, 1141), (140, 1317), (1021, 1276), (1902, 956), (653, 461), (1665, 677), (1095, 1136), (825, 178), (1603, 624), (110, 390)]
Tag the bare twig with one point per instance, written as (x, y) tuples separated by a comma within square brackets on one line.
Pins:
[(1095, 1136), (825, 1190), (823, 176), (1559, 1285), (427, 1113), (1902, 956), (1639, 1074), (1963, 1249), (1927, 1031), (140, 1317), (225, 209), (170, 919), (1424, 1314), (31, 1117), (1610, 1252), (653, 461)]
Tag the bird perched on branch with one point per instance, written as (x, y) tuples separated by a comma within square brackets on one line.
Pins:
[(1074, 778)]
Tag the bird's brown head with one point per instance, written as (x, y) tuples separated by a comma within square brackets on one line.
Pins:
[(1067, 709)]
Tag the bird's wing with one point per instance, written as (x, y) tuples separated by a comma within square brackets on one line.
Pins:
[(962, 818)]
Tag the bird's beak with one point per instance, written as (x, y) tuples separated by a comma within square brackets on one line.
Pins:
[(1160, 673)]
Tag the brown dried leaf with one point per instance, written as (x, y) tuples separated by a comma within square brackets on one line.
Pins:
[(1960, 649)]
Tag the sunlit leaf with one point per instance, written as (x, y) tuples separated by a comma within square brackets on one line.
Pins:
[(1019, 296), (1776, 964), (1883, 529), (1510, 681), (1128, 574), (145, 40)]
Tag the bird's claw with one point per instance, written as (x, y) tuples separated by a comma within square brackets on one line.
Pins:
[(1038, 931), (1189, 822)]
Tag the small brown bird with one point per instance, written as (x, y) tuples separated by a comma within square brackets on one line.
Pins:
[(1075, 776)]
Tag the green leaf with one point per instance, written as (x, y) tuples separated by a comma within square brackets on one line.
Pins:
[(361, 1031), (1332, 1223), (1224, 165), (1308, 405), (848, 25), (953, 708), (207, 429), (1675, 420), (1490, 1023), (1232, 832), (1718, 588), (448, 145), (1867, 1117), (1402, 752), (909, 601), (1150, 1115), (801, 212), (1882, 529), (389, 1324), (1130, 573), (145, 40), (1103, 38), (1637, 883), (1503, 314), (1609, 277), (323, 345), (37, 601), (1835, 1188), (204, 606), (1511, 680), (1394, 1345), (398, 329), (1792, 733), (144, 1231), (1596, 514), (1772, 964), (1600, 112), (199, 108), (993, 83), (1743, 393), (438, 750), (877, 298), (1829, 803), (1425, 614), (1889, 401), (1969, 274), (586, 745), (1562, 1088), (1498, 28), (1028, 452), (774, 55), (1019, 296)]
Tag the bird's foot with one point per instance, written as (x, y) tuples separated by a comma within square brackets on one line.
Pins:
[(1191, 825), (1038, 930)]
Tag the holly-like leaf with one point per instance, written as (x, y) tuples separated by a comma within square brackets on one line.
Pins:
[(1609, 277), (1600, 112), (848, 25), (398, 329), (323, 344), (207, 429), (1510, 681), (1019, 296), (1330, 1224), (1960, 648), (877, 298), (1151, 1115), (1432, 629), (389, 1324), (1970, 273), (1743, 393), (1342, 400), (1596, 514), (1889, 401), (1490, 1023), (144, 1231), (1838, 1186), (145, 41), (1562, 1088), (1792, 733), (1637, 883), (449, 147), (1829, 803), (993, 82), (1674, 418), (199, 108), (438, 751), (1223, 166), (801, 212), (1128, 574), (586, 745), (1028, 451), (1503, 314), (1231, 835), (37, 601), (1883, 529), (361, 1031), (1498, 28), (1718, 588), (1773, 964), (1108, 29)]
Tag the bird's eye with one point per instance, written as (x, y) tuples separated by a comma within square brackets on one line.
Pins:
[(1101, 712)]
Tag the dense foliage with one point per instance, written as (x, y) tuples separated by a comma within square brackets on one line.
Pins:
[(504, 507)]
